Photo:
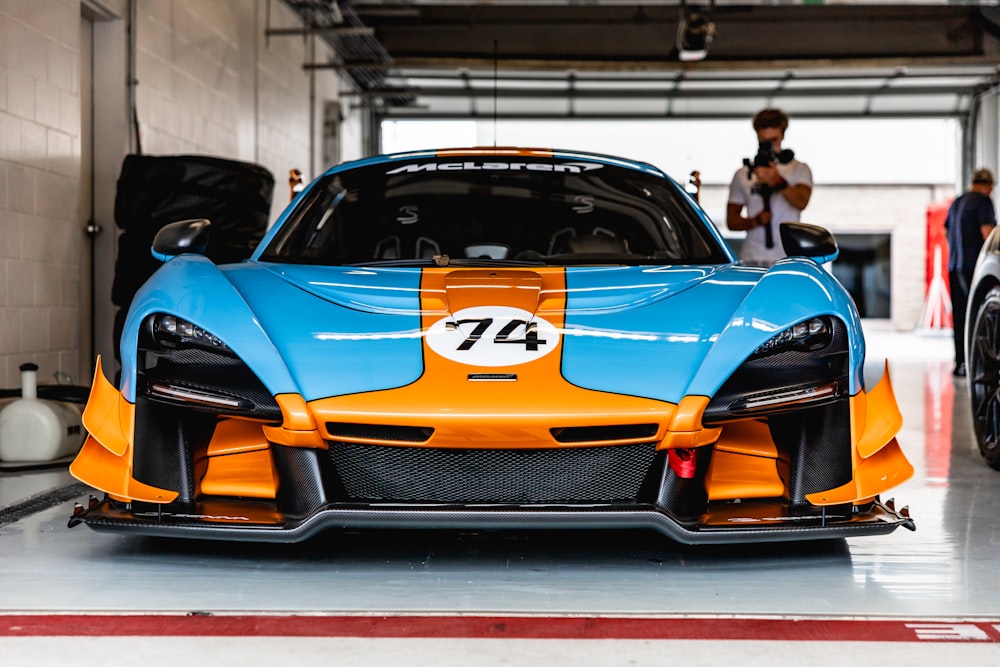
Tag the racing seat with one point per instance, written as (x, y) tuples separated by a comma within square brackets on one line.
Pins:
[(600, 241), (427, 248), (597, 243), (559, 241), (487, 251), (388, 248)]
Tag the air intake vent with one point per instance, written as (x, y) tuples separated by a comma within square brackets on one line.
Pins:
[(382, 432), (604, 433)]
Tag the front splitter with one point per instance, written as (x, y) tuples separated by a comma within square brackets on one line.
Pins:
[(878, 519)]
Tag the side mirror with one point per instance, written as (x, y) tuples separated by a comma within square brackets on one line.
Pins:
[(802, 240), (184, 236)]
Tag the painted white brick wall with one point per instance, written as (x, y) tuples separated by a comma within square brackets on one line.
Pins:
[(187, 79), (194, 85), (207, 84), (41, 243)]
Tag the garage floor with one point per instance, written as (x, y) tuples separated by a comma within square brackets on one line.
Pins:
[(438, 598)]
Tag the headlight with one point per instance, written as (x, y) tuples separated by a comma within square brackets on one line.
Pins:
[(807, 336), (180, 363), (802, 366), (786, 398), (173, 330)]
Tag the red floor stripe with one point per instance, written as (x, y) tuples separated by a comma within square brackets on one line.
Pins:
[(497, 627)]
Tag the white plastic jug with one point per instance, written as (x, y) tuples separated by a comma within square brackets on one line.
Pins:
[(36, 430)]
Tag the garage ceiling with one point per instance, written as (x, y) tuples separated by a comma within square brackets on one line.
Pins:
[(612, 59)]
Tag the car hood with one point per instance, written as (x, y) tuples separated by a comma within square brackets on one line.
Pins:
[(399, 291), (641, 331)]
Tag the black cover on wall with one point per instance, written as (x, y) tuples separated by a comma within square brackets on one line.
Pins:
[(154, 191)]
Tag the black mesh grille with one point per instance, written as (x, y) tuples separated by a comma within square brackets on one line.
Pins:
[(423, 474), (598, 433), (379, 432)]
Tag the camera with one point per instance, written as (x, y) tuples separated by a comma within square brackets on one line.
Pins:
[(766, 156)]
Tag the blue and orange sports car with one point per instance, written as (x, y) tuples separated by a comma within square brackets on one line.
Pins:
[(492, 338)]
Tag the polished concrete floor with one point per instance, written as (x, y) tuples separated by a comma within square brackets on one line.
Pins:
[(532, 597)]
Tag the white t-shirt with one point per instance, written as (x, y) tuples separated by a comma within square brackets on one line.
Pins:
[(754, 249)]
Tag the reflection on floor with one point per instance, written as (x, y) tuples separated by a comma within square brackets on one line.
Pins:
[(933, 594)]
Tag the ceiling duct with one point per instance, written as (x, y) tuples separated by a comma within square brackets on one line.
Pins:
[(358, 52)]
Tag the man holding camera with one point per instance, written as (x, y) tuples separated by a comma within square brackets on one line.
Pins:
[(772, 188)]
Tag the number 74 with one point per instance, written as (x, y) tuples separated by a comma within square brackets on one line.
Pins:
[(530, 340)]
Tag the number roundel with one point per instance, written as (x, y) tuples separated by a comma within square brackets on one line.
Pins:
[(492, 336)]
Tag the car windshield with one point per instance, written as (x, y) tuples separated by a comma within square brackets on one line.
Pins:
[(493, 211)]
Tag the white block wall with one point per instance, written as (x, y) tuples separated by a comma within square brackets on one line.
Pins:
[(208, 83), (42, 243)]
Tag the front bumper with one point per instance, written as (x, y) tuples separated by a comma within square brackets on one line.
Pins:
[(748, 522)]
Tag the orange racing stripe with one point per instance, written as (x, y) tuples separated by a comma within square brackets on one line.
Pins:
[(518, 413)]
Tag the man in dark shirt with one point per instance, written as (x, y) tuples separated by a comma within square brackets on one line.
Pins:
[(970, 220)]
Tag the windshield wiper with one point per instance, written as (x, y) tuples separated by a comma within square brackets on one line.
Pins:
[(445, 260), (393, 262), (485, 261)]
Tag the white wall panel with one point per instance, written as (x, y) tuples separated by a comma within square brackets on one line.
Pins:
[(208, 82), (41, 248)]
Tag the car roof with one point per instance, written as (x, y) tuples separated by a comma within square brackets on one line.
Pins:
[(501, 152)]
